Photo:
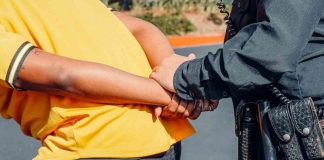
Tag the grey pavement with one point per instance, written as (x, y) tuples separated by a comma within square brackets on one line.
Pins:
[(198, 50), (215, 139)]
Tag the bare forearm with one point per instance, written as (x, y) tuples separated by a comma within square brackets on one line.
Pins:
[(152, 40), (155, 44), (88, 81)]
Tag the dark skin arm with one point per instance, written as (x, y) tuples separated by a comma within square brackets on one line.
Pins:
[(53, 74), (107, 85), (152, 40)]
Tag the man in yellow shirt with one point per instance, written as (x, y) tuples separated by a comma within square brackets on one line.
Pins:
[(65, 102)]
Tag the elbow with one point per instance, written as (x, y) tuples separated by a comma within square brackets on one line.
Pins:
[(142, 28), (70, 82), (63, 80)]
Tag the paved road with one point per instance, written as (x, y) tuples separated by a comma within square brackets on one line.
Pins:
[(214, 140)]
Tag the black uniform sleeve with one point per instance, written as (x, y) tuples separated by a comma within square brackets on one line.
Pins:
[(260, 53)]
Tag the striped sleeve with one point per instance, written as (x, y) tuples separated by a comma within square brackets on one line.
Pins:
[(13, 51), (16, 63)]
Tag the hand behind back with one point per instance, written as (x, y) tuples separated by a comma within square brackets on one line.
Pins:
[(178, 108)]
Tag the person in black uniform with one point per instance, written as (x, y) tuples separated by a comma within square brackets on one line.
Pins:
[(277, 41), (267, 42)]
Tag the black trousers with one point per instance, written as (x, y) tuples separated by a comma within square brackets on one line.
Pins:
[(174, 153)]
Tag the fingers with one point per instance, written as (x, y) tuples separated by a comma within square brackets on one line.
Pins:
[(173, 106), (202, 106), (177, 108), (170, 110), (191, 56), (190, 108), (158, 111), (181, 109), (197, 110), (186, 109), (209, 105), (213, 104), (205, 106)]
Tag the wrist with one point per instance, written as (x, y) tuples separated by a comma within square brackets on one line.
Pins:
[(160, 95)]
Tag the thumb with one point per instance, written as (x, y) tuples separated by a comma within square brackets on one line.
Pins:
[(191, 56), (157, 111)]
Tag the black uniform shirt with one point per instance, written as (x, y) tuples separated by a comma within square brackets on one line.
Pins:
[(279, 41)]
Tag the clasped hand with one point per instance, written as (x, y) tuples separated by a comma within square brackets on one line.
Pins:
[(177, 108)]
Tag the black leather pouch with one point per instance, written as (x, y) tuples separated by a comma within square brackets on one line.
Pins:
[(307, 127), (297, 130), (284, 133)]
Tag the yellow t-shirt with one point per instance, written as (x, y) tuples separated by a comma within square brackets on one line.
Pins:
[(69, 128)]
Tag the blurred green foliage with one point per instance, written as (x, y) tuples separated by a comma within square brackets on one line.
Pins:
[(171, 6), (170, 18), (178, 6), (170, 25), (215, 18)]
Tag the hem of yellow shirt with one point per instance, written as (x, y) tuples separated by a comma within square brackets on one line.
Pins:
[(107, 153)]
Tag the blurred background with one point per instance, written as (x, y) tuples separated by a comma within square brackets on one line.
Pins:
[(192, 26), (176, 17)]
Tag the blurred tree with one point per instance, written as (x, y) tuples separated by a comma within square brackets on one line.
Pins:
[(125, 5), (169, 14)]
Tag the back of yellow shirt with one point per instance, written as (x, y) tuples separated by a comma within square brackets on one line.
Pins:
[(69, 128)]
